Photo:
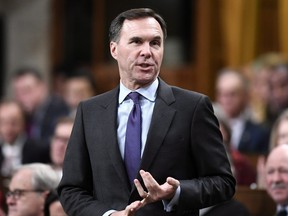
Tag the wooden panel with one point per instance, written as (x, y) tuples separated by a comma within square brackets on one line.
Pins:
[(283, 30), (57, 32), (257, 201)]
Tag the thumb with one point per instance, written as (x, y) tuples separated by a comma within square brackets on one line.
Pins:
[(173, 182)]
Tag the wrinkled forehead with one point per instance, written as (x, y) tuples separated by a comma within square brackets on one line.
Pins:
[(148, 25), (21, 180), (278, 158)]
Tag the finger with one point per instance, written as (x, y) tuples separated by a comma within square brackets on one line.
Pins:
[(140, 189), (148, 180), (132, 208), (173, 182), (145, 200)]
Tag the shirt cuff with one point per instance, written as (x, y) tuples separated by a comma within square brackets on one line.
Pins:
[(108, 213), (169, 206)]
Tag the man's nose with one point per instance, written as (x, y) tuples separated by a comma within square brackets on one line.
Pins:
[(10, 200), (146, 50), (276, 177)]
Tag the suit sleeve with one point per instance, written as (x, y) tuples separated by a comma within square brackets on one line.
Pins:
[(214, 182), (75, 189)]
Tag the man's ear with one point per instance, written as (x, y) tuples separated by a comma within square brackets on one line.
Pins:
[(113, 49)]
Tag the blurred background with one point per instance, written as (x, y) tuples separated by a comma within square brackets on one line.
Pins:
[(67, 42), (203, 37)]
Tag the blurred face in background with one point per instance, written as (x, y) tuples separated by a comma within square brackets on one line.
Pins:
[(277, 174), (28, 91), (76, 90), (231, 94), (11, 122), (59, 143), (282, 132), (278, 89), (28, 202)]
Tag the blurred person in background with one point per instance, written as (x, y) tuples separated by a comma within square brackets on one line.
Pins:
[(258, 74), (279, 136), (15, 147), (278, 96), (53, 206), (78, 87), (29, 188), (59, 143), (279, 132), (243, 170), (232, 101), (42, 108), (276, 176)]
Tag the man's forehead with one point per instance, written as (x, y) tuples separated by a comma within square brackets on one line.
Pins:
[(21, 178), (131, 26)]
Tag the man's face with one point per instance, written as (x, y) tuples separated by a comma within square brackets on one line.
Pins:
[(29, 203), (59, 143), (277, 175), (28, 92), (230, 95), (279, 89), (139, 52), (282, 132), (11, 122)]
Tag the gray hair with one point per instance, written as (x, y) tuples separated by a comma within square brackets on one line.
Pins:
[(43, 176)]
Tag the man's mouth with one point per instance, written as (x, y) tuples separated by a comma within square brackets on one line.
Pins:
[(145, 65)]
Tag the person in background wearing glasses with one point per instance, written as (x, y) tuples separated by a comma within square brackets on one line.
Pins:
[(28, 189)]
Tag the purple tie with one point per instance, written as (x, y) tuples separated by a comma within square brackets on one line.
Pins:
[(132, 155)]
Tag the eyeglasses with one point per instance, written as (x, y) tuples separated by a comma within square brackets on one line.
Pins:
[(16, 194)]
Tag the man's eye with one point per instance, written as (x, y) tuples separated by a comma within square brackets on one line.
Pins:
[(156, 43), (136, 41)]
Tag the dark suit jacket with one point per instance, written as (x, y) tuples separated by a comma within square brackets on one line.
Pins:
[(229, 208), (41, 124), (255, 139), (183, 142)]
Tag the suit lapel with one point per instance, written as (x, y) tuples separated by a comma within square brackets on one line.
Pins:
[(109, 130), (163, 113)]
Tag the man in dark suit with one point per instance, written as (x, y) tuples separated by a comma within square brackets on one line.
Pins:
[(184, 166)]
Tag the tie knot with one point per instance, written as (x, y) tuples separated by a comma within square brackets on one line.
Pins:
[(134, 96)]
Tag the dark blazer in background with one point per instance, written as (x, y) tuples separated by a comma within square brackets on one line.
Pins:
[(183, 142), (255, 139), (41, 125)]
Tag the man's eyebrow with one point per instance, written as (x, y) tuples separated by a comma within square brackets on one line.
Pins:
[(140, 38), (157, 38), (135, 38)]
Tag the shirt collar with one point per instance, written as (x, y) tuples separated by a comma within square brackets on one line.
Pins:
[(149, 92), (14, 148), (279, 208)]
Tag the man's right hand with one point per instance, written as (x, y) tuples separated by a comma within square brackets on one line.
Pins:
[(130, 210)]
